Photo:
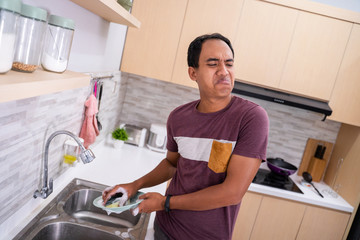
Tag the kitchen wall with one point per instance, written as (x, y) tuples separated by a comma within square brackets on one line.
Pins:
[(26, 124), (150, 101)]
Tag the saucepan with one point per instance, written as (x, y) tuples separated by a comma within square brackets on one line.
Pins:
[(280, 166)]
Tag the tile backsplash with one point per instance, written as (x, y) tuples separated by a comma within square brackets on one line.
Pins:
[(26, 124)]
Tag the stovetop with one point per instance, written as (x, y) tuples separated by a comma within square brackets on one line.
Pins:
[(268, 178)]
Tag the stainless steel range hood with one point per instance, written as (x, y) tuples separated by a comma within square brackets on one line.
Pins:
[(282, 98)]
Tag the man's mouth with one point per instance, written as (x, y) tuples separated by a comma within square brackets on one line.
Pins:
[(223, 81)]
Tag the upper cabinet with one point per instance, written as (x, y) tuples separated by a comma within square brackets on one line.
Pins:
[(150, 51), (315, 55), (110, 10), (345, 99), (304, 49), (262, 42), (203, 17)]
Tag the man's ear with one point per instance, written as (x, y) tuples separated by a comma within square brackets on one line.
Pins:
[(192, 73)]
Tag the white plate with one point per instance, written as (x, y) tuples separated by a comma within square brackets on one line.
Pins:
[(134, 202)]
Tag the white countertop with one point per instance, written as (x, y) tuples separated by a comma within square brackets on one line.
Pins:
[(113, 166)]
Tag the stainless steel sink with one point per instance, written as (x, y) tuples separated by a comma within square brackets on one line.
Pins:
[(72, 215), (65, 230)]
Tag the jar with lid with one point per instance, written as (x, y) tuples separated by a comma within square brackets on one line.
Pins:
[(57, 45), (29, 39), (9, 14)]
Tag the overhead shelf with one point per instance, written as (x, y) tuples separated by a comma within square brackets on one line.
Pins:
[(110, 10), (16, 85)]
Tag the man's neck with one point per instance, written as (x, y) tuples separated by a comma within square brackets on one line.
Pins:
[(207, 105)]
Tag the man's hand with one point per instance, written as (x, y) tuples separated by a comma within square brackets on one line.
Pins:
[(129, 189), (152, 202)]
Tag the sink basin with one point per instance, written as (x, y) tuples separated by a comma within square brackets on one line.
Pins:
[(80, 205), (72, 215), (64, 230)]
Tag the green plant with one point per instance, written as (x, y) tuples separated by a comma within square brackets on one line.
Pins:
[(120, 134)]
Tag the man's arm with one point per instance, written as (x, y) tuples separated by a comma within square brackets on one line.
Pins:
[(161, 173), (240, 173)]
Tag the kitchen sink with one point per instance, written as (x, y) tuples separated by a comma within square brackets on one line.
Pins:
[(65, 230), (72, 215)]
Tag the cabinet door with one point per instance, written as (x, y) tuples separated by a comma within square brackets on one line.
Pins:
[(323, 224), (278, 219), (202, 17), (315, 55), (246, 218), (345, 98), (150, 50), (262, 42)]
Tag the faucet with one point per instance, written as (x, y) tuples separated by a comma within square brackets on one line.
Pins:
[(86, 155)]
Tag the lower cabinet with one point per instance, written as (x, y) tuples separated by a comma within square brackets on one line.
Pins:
[(265, 217)]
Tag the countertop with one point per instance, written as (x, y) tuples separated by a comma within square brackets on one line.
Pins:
[(113, 166)]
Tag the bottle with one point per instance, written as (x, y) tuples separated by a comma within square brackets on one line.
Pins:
[(9, 14), (30, 35), (57, 45)]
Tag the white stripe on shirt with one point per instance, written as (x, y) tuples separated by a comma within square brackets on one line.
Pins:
[(197, 149)]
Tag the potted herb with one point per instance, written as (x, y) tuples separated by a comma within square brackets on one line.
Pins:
[(120, 135)]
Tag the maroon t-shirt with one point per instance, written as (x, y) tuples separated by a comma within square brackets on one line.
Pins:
[(205, 142)]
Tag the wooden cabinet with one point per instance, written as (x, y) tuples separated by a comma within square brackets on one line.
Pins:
[(322, 224), (247, 216), (278, 219), (150, 51), (265, 217), (202, 17), (342, 173), (315, 55), (345, 98), (262, 42)]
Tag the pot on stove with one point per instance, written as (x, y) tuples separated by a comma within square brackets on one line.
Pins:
[(280, 166)]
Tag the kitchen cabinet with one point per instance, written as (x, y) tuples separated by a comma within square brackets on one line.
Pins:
[(322, 224), (262, 42), (150, 51), (345, 98), (110, 10), (17, 85), (247, 216), (265, 217), (202, 17), (278, 219), (315, 54), (342, 173)]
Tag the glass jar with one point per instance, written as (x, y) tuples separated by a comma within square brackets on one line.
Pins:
[(59, 35), (30, 34), (9, 14)]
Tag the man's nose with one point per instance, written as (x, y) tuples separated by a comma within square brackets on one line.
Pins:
[(222, 69)]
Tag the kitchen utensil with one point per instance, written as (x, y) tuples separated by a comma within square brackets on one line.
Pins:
[(157, 138), (307, 177), (134, 202), (309, 153), (279, 166)]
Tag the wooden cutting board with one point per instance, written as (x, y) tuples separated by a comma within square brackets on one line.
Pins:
[(317, 170)]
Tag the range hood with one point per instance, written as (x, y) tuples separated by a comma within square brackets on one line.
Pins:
[(282, 98)]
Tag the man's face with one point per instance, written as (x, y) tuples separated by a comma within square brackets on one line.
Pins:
[(215, 75)]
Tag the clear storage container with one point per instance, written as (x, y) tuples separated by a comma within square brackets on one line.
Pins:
[(59, 35), (29, 39), (9, 14)]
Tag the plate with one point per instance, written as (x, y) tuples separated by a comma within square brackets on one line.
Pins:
[(134, 202)]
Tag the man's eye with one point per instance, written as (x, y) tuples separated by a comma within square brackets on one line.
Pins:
[(229, 64), (211, 64)]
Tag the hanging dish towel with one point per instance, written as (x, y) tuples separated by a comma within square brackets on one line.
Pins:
[(89, 129)]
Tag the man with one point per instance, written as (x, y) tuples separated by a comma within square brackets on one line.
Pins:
[(215, 147)]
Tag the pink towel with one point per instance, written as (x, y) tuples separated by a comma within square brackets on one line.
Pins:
[(89, 129)]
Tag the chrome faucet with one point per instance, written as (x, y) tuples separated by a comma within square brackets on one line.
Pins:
[(86, 155)]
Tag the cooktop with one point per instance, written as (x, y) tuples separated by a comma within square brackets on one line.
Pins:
[(271, 179)]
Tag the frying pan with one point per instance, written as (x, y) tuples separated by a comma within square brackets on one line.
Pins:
[(279, 166)]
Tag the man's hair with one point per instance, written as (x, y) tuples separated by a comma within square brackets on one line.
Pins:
[(195, 46)]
